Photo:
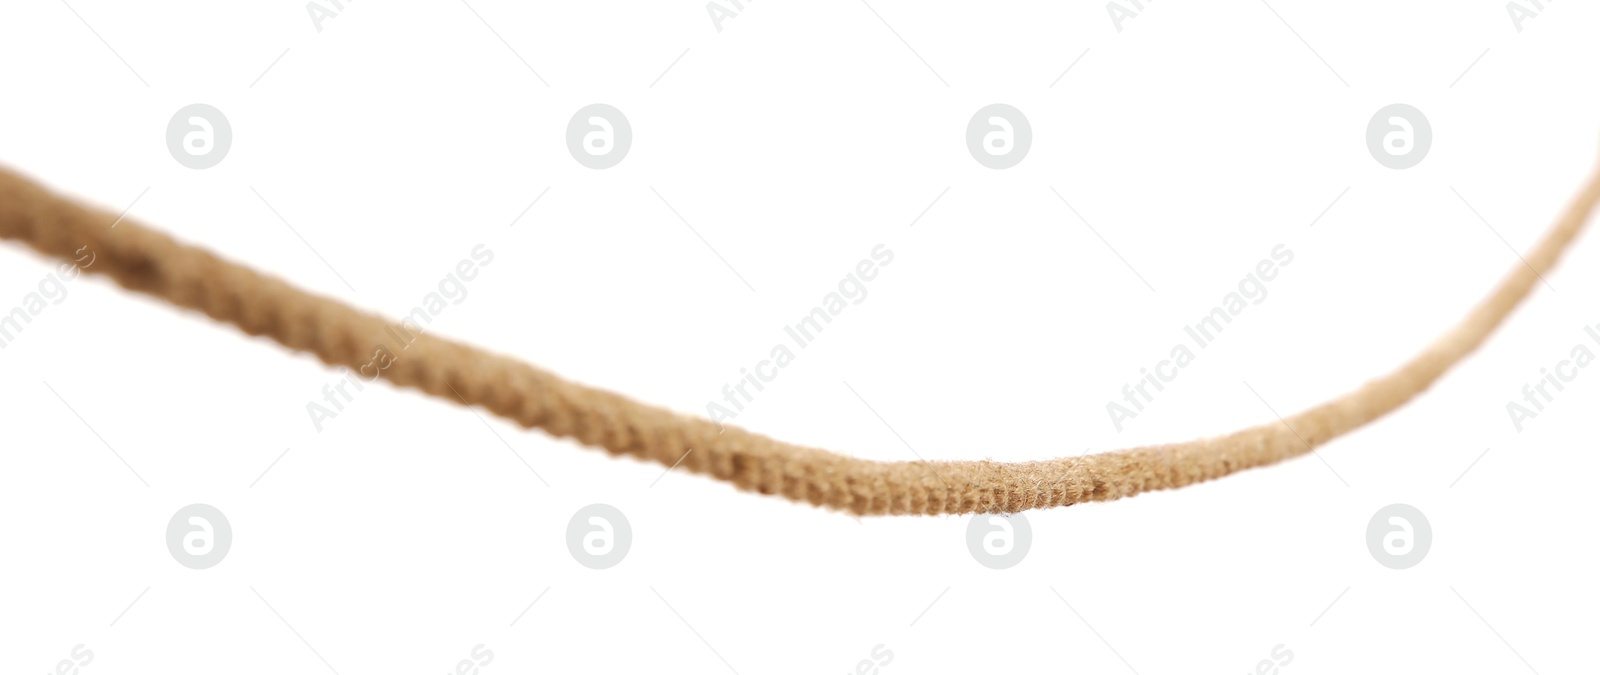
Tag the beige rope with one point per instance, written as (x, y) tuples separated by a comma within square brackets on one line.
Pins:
[(144, 260)]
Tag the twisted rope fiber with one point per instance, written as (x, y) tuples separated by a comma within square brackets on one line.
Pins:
[(148, 261)]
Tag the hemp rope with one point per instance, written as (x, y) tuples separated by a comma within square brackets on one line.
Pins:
[(148, 261)]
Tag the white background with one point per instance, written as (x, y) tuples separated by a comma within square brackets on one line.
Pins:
[(793, 141)]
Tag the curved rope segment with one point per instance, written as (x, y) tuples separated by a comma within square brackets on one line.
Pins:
[(144, 260)]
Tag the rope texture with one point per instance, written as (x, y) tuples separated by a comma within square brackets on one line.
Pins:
[(144, 260)]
